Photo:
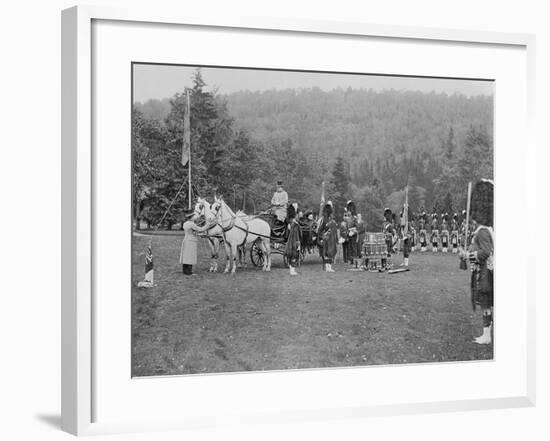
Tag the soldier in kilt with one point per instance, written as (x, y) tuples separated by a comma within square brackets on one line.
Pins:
[(480, 254), (422, 234), (434, 236), (389, 230), (352, 233), (407, 244), (327, 237), (344, 240), (454, 233), (292, 249), (444, 232)]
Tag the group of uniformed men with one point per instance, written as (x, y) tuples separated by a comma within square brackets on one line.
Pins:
[(411, 232), (438, 231)]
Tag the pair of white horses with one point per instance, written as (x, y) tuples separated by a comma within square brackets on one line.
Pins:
[(236, 230)]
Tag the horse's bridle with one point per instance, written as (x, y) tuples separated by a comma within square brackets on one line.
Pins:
[(220, 220)]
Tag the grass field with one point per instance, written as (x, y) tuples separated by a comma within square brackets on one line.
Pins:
[(260, 321)]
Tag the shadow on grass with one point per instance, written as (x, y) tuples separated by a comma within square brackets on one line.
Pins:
[(52, 420)]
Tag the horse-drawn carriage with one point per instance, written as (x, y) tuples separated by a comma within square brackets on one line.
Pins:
[(278, 239), (237, 230)]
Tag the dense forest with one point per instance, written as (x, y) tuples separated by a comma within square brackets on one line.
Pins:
[(366, 145)]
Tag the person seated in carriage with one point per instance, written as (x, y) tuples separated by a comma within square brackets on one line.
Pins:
[(279, 203)]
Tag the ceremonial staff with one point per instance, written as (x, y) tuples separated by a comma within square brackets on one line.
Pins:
[(186, 149), (406, 213), (405, 224), (322, 200), (463, 263)]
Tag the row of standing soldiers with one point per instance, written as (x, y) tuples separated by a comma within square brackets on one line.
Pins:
[(421, 231), (434, 231)]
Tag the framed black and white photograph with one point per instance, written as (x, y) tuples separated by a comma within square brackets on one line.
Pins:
[(290, 220), (357, 183)]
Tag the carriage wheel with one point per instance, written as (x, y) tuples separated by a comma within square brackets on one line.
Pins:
[(256, 255)]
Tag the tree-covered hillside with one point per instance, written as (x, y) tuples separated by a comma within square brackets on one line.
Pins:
[(358, 123), (366, 145)]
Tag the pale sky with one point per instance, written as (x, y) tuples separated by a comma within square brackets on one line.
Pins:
[(155, 81)]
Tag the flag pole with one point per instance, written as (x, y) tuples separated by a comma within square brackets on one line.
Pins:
[(463, 263), (189, 174)]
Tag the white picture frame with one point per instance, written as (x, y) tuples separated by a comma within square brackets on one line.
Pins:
[(79, 203)]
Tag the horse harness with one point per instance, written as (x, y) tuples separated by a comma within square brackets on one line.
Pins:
[(246, 230)]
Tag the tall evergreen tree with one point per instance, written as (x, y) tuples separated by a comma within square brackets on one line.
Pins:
[(474, 162), (341, 182), (449, 146)]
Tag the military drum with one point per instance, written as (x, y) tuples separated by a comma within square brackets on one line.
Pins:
[(375, 251)]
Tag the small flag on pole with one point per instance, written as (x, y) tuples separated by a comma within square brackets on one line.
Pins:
[(186, 148), (149, 270)]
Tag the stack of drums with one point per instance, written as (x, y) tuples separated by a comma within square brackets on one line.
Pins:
[(375, 251)]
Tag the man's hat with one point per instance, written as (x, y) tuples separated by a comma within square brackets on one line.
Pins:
[(187, 213), (482, 202), (350, 206), (291, 212)]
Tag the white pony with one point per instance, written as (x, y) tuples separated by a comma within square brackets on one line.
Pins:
[(215, 237), (240, 230)]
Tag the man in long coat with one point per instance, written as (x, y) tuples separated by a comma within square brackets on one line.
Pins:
[(327, 238), (294, 241), (188, 253)]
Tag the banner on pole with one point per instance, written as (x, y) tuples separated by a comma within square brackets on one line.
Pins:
[(186, 148)]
